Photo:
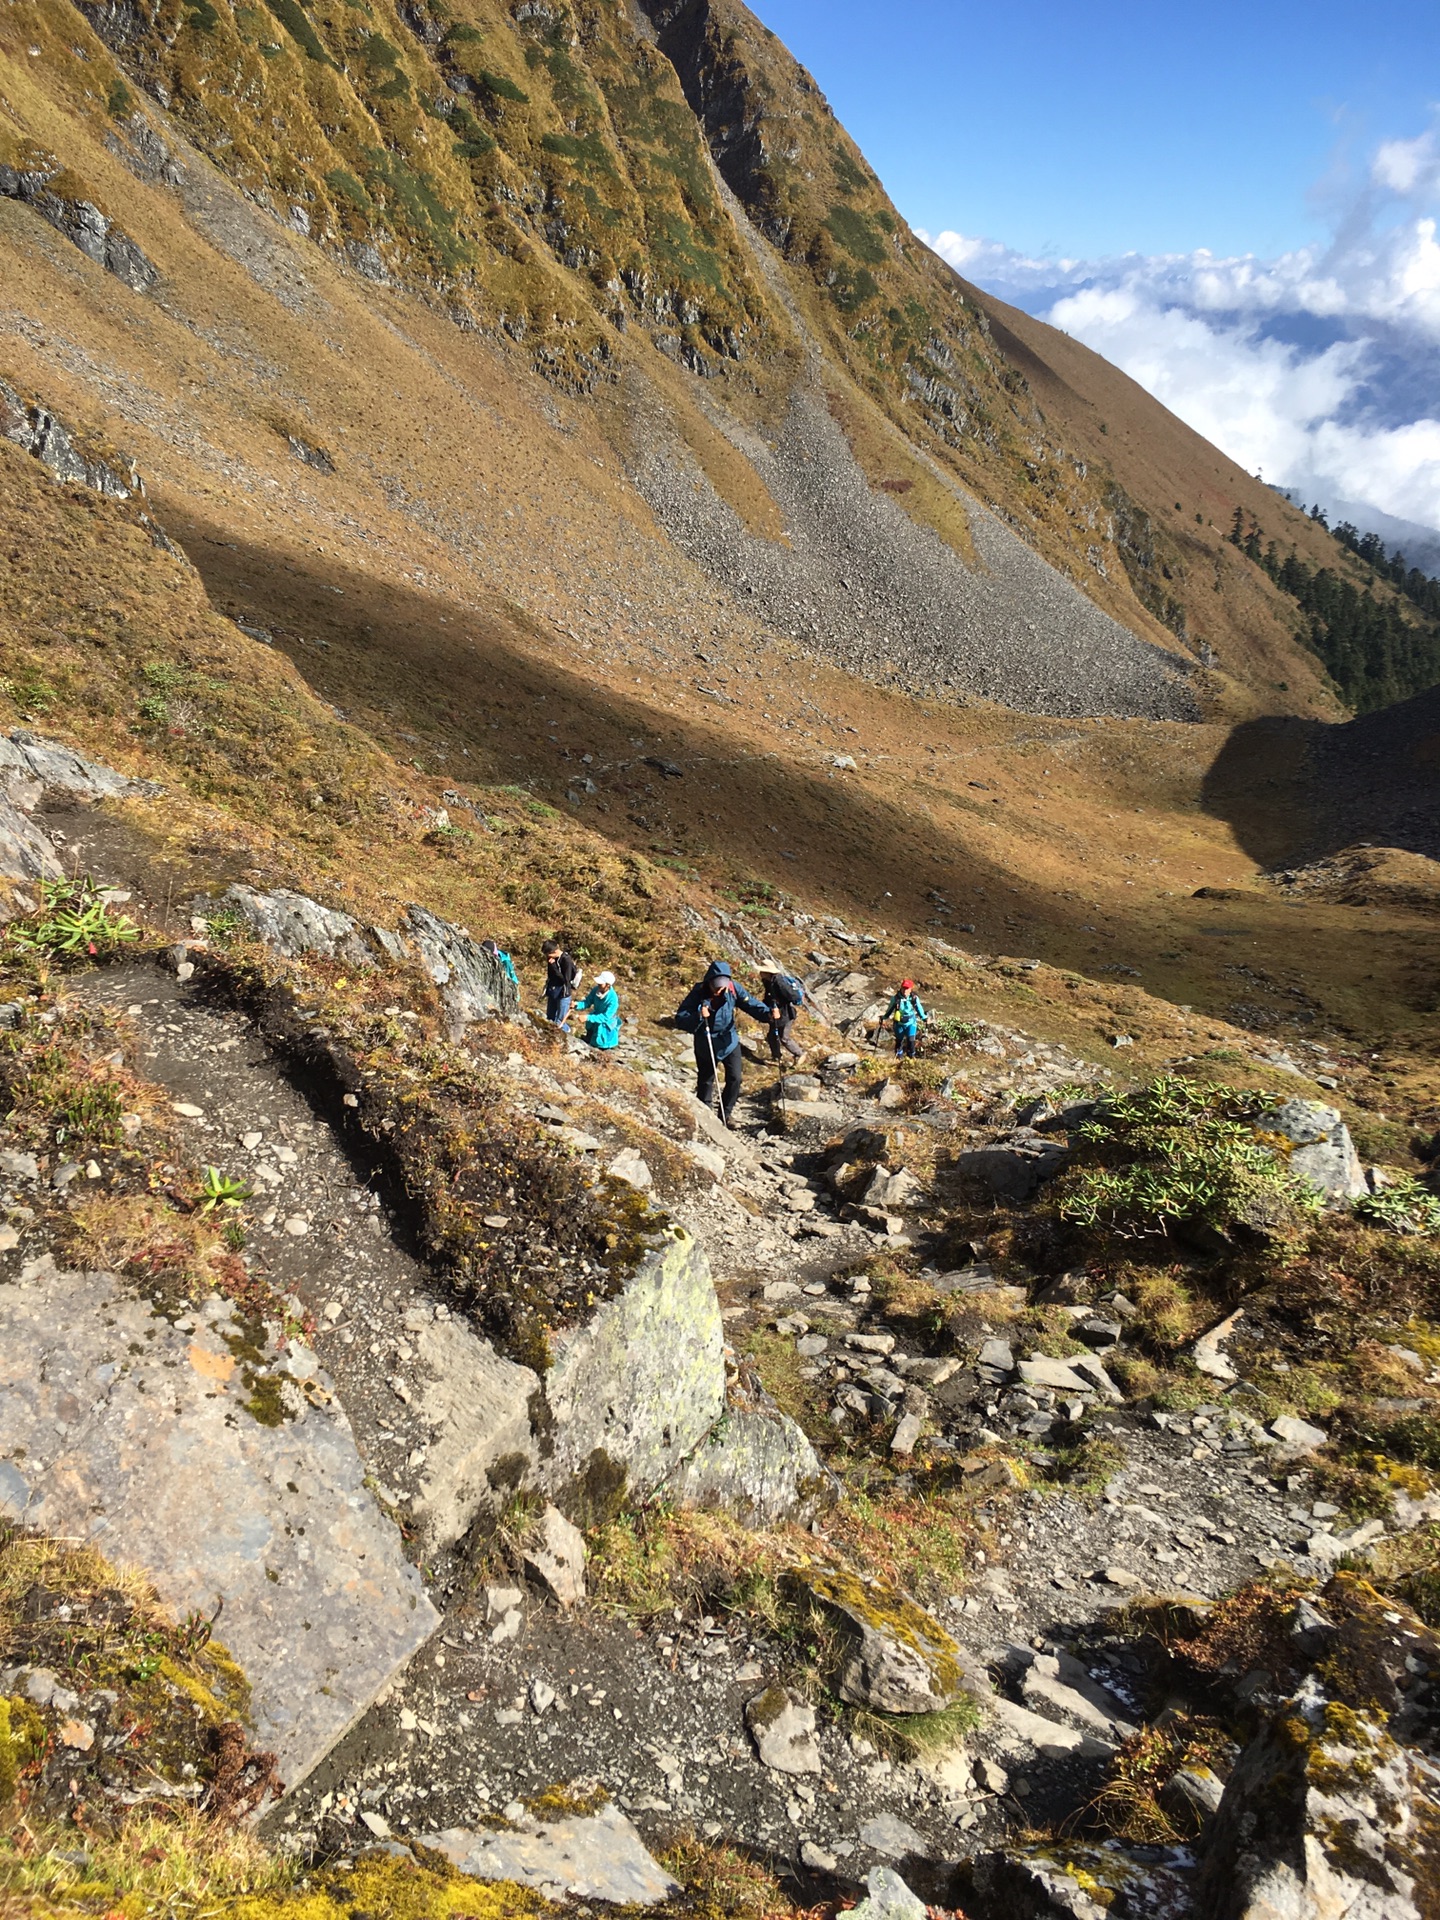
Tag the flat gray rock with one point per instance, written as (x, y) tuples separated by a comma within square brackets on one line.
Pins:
[(1016, 1166), (758, 1466), (896, 1839), (1322, 1152), (140, 1436), (1060, 1376), (591, 1856)]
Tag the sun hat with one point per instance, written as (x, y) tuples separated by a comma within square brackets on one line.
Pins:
[(604, 979)]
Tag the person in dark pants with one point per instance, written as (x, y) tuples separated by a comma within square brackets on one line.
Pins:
[(708, 1011), (907, 1012), (562, 977), (784, 996)]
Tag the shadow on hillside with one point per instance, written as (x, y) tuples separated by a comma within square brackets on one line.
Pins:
[(1296, 790), (490, 699), (479, 698)]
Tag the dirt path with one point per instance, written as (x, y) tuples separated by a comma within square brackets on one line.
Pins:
[(317, 1228)]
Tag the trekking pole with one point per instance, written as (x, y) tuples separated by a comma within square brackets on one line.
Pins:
[(715, 1077)]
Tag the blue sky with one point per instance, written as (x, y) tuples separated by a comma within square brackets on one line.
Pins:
[(1239, 205), (1098, 129)]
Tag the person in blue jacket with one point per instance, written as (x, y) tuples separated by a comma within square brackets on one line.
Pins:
[(708, 1011), (601, 1008), (907, 1011)]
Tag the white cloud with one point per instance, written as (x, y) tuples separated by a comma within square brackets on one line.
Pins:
[(1320, 369)]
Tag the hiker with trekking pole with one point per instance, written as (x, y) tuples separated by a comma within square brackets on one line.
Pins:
[(708, 1012), (784, 995), (907, 1013)]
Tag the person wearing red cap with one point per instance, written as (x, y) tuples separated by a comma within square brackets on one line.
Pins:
[(907, 1012)]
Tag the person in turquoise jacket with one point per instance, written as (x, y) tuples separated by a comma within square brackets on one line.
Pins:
[(497, 952), (601, 1008), (907, 1011)]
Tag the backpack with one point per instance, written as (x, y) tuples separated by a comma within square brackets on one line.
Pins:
[(788, 988)]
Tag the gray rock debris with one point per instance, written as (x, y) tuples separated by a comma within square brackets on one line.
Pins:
[(585, 1856), (758, 1466), (557, 1558), (141, 1437), (783, 1729), (1323, 1154)]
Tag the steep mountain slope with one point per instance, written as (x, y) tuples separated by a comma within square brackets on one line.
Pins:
[(1194, 492), (798, 424)]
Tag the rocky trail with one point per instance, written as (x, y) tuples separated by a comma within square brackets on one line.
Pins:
[(370, 1483), (512, 1695)]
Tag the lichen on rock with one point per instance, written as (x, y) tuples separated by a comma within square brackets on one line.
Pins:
[(902, 1660)]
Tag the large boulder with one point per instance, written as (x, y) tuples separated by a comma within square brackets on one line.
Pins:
[(756, 1465), (292, 924), (191, 1449), (899, 1660), (631, 1394), (1325, 1817), (1316, 1145), (472, 982), (478, 1406)]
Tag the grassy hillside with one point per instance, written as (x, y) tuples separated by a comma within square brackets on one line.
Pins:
[(557, 179)]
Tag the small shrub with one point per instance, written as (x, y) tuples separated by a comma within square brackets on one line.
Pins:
[(73, 922), (1175, 1153), (1406, 1206)]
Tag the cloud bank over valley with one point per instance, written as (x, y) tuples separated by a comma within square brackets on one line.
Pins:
[(1320, 369)]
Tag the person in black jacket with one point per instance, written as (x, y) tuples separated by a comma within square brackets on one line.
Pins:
[(562, 977), (708, 1011), (784, 996)]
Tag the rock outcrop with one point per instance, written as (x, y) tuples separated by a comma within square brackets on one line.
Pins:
[(473, 984), (45, 187), (194, 1450), (1325, 1815), (35, 772)]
